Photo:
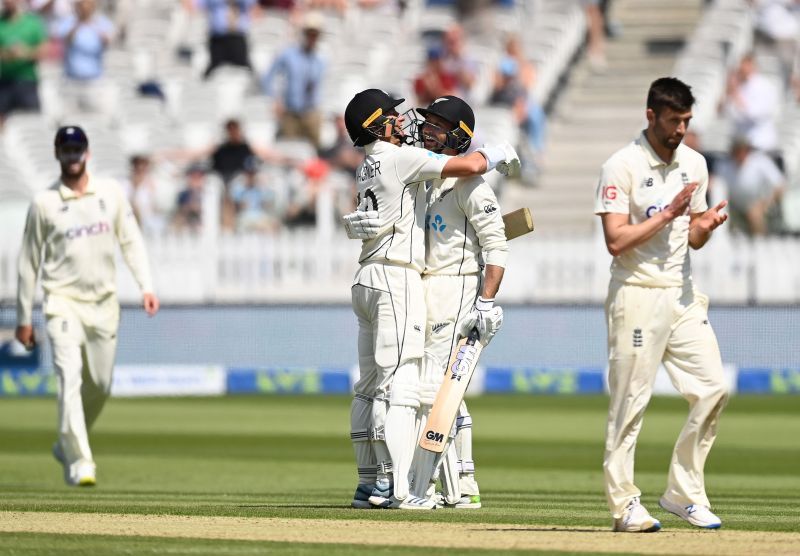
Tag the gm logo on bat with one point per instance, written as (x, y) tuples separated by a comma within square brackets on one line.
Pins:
[(435, 436)]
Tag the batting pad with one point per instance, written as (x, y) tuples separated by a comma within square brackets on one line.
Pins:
[(360, 424), (401, 421)]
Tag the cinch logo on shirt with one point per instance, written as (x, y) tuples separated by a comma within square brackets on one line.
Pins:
[(90, 230)]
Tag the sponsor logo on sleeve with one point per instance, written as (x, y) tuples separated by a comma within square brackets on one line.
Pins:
[(489, 209), (609, 192)]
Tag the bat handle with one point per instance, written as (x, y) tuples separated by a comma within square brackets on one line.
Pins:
[(474, 336)]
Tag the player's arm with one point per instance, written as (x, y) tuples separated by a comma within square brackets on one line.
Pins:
[(133, 250), (702, 224), (501, 157), (703, 220), (28, 263), (612, 203)]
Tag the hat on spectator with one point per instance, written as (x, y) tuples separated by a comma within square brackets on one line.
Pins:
[(313, 21)]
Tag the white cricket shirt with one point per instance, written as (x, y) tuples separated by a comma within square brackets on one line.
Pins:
[(73, 239), (635, 181), (463, 225), (392, 180)]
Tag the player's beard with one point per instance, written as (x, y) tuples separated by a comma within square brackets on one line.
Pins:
[(73, 166)]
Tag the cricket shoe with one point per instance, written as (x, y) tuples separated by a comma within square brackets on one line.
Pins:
[(82, 473), (361, 497), (636, 519), (410, 503), (467, 502), (697, 515)]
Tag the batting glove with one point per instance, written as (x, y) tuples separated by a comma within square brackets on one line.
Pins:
[(362, 224), (502, 158), (485, 317)]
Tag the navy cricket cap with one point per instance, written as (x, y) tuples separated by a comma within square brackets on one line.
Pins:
[(71, 135), (366, 109)]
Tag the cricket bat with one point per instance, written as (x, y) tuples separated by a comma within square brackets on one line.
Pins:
[(518, 223), (451, 392)]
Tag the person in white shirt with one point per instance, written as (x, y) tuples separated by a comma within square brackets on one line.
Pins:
[(71, 235), (651, 198), (752, 104), (465, 257), (755, 185), (387, 292)]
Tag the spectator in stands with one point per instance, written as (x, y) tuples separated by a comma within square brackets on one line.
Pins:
[(755, 186), (86, 35), (752, 103), (434, 80), (228, 25), (229, 157), (189, 211), (140, 188), (256, 205), (509, 91), (303, 69), (596, 34), (457, 62), (302, 208), (342, 154), (779, 22), (22, 45)]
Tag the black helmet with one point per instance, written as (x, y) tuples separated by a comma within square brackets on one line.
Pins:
[(71, 135), (458, 113), (366, 114)]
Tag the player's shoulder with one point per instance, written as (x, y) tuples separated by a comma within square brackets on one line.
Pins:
[(690, 156), (624, 156), (411, 152), (466, 186), (47, 196)]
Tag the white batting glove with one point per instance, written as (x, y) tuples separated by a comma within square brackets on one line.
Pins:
[(502, 158), (362, 224), (486, 318), (510, 166)]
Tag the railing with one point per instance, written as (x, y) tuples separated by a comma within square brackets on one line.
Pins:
[(305, 266)]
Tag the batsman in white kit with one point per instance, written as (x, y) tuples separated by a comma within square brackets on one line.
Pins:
[(466, 253), (651, 198), (71, 234), (387, 292)]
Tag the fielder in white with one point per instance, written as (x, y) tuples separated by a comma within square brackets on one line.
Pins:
[(652, 201), (387, 293), (71, 235), (465, 258)]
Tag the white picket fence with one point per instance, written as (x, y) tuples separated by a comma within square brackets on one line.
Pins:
[(307, 266)]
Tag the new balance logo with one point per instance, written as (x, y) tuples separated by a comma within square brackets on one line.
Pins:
[(638, 339), (648, 182)]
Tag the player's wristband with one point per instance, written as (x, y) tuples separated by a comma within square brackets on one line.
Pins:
[(483, 304), (493, 155)]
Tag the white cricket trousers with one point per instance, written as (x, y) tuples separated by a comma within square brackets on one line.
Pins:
[(390, 306), (449, 300), (648, 326), (84, 341)]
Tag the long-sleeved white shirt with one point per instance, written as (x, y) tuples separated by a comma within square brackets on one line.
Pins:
[(463, 225), (72, 239)]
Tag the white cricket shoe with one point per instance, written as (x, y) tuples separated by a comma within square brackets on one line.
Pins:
[(468, 502), (636, 519), (697, 515), (82, 473), (410, 503)]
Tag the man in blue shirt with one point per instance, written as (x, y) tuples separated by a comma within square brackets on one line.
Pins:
[(303, 70)]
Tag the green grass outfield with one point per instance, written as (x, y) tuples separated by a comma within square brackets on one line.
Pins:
[(538, 461)]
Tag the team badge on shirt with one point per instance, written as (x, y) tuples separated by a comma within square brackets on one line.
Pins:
[(648, 182)]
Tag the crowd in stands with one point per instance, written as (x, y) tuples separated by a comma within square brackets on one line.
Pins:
[(264, 188)]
